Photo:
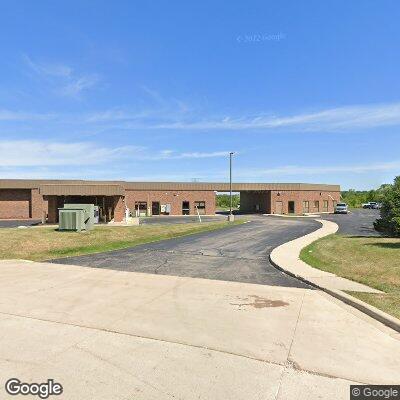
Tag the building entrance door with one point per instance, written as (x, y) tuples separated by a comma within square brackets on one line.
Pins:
[(155, 208), (291, 207), (279, 207), (185, 208)]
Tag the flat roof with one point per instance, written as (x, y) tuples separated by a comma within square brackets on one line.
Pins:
[(48, 186)]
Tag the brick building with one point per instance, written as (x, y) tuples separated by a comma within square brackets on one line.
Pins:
[(38, 199)]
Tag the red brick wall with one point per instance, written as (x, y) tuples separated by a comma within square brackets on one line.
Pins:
[(15, 203), (163, 197), (53, 202), (26, 203), (175, 198), (39, 206), (119, 210), (299, 196)]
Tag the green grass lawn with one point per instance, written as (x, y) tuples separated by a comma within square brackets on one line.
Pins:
[(373, 261), (41, 243)]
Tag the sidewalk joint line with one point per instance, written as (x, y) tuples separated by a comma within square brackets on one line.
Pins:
[(201, 347)]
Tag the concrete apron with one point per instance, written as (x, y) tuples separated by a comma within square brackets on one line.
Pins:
[(109, 334)]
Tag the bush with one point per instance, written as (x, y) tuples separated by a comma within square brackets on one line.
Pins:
[(389, 222)]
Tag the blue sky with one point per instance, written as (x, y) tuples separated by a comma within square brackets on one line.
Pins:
[(301, 91)]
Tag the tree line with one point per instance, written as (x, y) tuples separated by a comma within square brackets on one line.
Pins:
[(355, 198)]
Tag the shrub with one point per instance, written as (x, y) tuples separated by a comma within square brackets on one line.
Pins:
[(389, 222)]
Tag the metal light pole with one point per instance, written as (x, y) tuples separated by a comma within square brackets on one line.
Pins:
[(230, 217)]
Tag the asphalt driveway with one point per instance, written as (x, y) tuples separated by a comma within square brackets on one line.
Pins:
[(15, 223), (172, 220), (239, 253)]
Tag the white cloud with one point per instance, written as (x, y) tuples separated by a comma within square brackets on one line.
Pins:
[(171, 155), (65, 80), (24, 153), (19, 153), (343, 119), (59, 70), (76, 86), (7, 115), (318, 170), (115, 115), (334, 119)]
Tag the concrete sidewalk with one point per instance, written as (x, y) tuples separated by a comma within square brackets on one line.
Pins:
[(286, 257), (109, 334)]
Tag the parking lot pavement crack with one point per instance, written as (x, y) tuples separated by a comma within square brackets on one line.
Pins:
[(217, 253), (163, 264)]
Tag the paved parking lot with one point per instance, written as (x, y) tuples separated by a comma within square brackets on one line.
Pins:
[(239, 253), (358, 222)]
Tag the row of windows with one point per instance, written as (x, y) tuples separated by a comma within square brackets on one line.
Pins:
[(142, 208), (306, 206)]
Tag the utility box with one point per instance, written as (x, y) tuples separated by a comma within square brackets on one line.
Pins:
[(71, 220), (76, 217)]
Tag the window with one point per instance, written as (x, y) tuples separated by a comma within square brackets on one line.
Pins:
[(306, 206), (325, 206), (200, 206), (316, 205)]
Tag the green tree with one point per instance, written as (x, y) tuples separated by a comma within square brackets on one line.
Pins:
[(223, 200), (356, 198), (389, 222)]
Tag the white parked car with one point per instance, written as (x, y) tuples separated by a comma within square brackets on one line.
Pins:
[(341, 208), (373, 205)]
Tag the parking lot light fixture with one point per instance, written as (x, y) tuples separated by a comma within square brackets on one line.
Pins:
[(230, 217)]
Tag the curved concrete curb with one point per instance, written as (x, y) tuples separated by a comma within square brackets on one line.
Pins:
[(372, 311), (286, 258)]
